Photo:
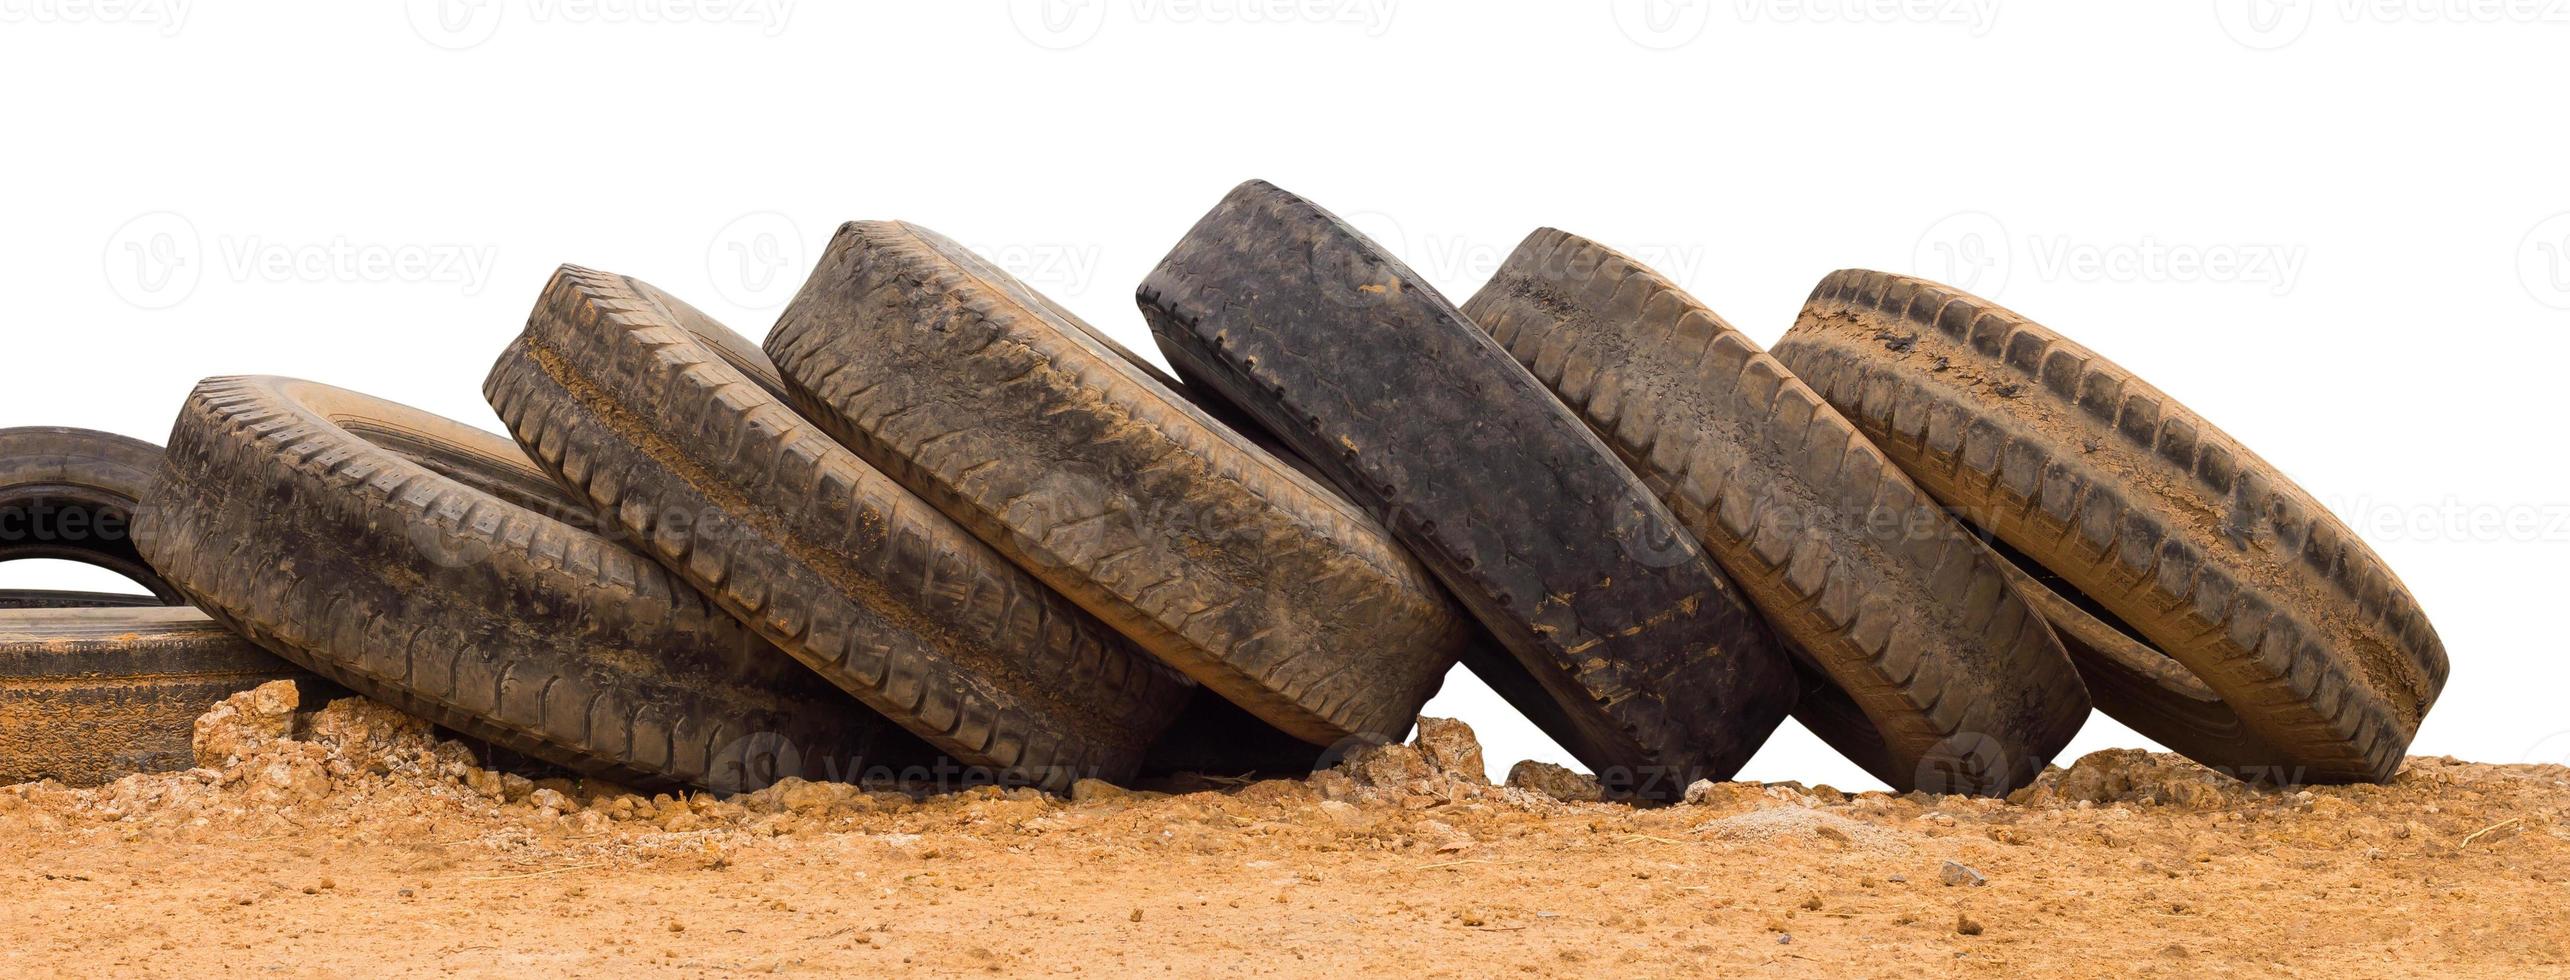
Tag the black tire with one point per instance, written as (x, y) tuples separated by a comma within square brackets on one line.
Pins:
[(655, 413), (69, 494), (1214, 737), (426, 565), (1071, 456), (1957, 686), (88, 696), (2137, 504), (1644, 663), (50, 599)]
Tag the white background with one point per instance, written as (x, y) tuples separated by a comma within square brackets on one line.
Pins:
[(2340, 230)]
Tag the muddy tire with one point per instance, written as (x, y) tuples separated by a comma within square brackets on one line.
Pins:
[(2140, 506), (425, 564), (1638, 657), (658, 415), (1958, 687), (69, 494), (88, 696), (1071, 456), (2134, 683)]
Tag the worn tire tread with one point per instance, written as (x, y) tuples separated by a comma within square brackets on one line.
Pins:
[(89, 695), (2206, 550), (1649, 667), (646, 407), (1085, 465), (1868, 562), (282, 512)]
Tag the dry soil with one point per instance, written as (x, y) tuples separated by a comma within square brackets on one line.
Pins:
[(352, 840)]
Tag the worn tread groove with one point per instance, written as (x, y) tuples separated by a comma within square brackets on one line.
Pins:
[(621, 376), (324, 525), (1648, 667), (2175, 529), (92, 694), (1069, 455)]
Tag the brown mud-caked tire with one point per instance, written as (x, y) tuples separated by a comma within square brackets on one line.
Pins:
[(91, 695), (425, 564), (2140, 686), (658, 415), (1073, 457), (1957, 686), (2140, 506), (69, 494), (1625, 644)]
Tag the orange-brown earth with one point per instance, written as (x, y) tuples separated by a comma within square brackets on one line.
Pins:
[(350, 840)]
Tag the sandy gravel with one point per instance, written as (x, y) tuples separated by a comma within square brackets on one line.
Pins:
[(349, 840)]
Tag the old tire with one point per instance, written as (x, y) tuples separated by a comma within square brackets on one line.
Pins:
[(1638, 657), (88, 696), (69, 494), (2138, 505), (1215, 737), (652, 411), (425, 564), (1065, 452), (1958, 687), (50, 599), (2134, 683)]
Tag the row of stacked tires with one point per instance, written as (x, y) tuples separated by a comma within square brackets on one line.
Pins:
[(937, 525)]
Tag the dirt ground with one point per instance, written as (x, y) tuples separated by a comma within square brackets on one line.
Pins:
[(350, 841)]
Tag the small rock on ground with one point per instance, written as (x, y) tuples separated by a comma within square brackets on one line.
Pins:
[(1953, 873), (1450, 747), (1558, 782), (237, 727), (1090, 790)]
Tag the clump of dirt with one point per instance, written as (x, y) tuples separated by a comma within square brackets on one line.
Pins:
[(1799, 821), (1558, 782), (353, 839), (264, 765)]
